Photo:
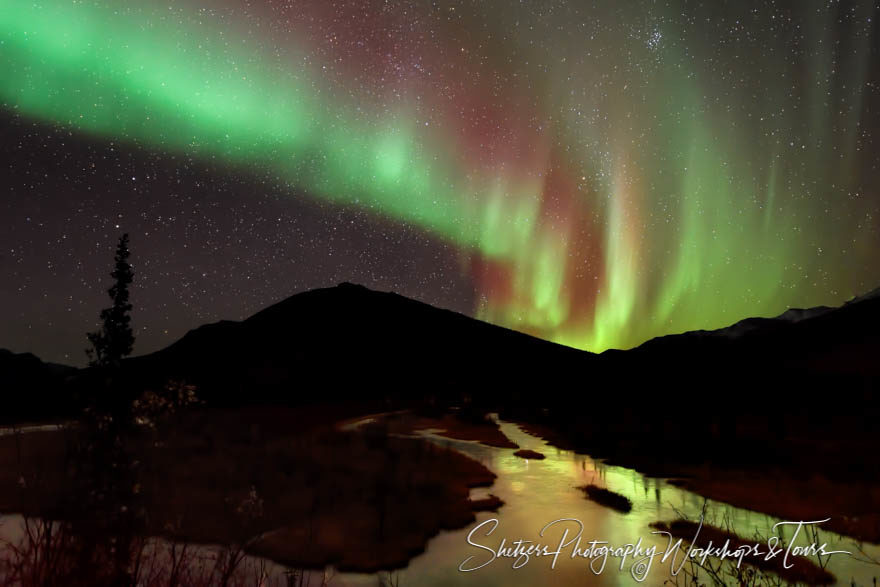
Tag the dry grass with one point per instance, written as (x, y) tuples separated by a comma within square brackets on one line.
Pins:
[(281, 485), (801, 571)]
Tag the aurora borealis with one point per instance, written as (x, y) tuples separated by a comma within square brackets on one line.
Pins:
[(605, 172)]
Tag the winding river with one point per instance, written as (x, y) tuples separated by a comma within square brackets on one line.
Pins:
[(537, 492)]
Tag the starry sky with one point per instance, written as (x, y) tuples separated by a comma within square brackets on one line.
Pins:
[(593, 173)]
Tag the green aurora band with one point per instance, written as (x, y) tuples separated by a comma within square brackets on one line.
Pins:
[(612, 197)]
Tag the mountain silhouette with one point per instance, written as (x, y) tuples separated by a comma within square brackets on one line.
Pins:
[(350, 342), (32, 389), (797, 388), (355, 341), (842, 341)]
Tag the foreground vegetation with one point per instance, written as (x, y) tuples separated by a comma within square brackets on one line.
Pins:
[(284, 484)]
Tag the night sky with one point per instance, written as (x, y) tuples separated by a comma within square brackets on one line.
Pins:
[(594, 173)]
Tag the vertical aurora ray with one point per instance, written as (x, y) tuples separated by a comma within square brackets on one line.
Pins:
[(598, 189), (617, 299)]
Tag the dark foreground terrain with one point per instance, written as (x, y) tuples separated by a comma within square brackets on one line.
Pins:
[(771, 414), (289, 485)]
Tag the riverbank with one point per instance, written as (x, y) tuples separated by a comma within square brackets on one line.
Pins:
[(789, 493), (794, 569), (286, 484), (449, 425), (852, 507)]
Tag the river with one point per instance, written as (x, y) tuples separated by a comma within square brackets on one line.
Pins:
[(538, 492)]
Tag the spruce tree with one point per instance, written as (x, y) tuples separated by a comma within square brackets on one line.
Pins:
[(115, 339)]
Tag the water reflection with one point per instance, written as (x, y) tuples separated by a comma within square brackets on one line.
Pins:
[(537, 492)]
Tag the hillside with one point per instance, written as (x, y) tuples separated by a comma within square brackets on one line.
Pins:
[(351, 341)]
